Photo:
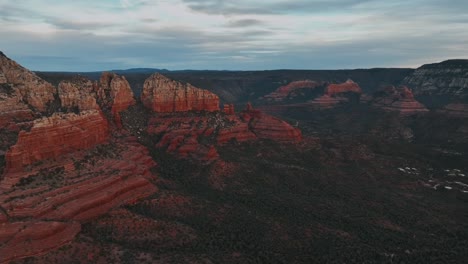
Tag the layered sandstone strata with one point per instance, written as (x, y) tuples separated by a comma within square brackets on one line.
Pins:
[(45, 210), (347, 87), (290, 90), (51, 137), (399, 100), (164, 95)]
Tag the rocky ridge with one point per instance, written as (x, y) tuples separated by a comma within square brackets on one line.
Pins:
[(399, 100), (448, 79), (164, 95)]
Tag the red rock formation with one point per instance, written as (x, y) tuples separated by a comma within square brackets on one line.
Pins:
[(346, 87), (90, 184), (266, 126), (77, 94), (290, 90), (163, 95), (57, 135), (398, 100), (114, 93), (229, 109), (25, 85)]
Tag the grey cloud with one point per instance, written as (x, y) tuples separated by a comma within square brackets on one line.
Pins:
[(232, 7), (244, 23)]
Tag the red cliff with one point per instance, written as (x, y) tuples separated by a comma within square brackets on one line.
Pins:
[(164, 95), (266, 126), (54, 136), (114, 94), (399, 99)]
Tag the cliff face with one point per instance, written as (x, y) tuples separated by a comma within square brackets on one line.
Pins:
[(54, 136), (163, 95), (114, 94), (77, 94), (445, 79)]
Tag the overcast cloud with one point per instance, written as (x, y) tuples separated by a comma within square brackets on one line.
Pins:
[(67, 35)]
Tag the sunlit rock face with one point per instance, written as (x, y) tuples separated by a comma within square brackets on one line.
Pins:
[(164, 95)]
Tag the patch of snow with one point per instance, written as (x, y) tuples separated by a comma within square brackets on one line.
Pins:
[(401, 169), (448, 188)]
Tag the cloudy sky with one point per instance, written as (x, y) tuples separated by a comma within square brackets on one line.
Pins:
[(88, 35)]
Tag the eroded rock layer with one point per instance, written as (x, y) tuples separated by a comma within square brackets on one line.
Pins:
[(54, 136), (399, 99), (164, 95), (114, 94), (197, 136), (290, 90), (61, 195), (347, 87)]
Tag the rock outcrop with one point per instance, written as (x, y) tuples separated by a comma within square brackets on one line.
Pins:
[(399, 99), (347, 87), (114, 94), (24, 85), (269, 127), (447, 78), (198, 136), (77, 95), (164, 95), (337, 93), (46, 209), (51, 137), (291, 90)]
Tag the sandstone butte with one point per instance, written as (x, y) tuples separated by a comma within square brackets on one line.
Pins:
[(335, 94), (163, 95), (399, 100), (290, 90), (114, 93)]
